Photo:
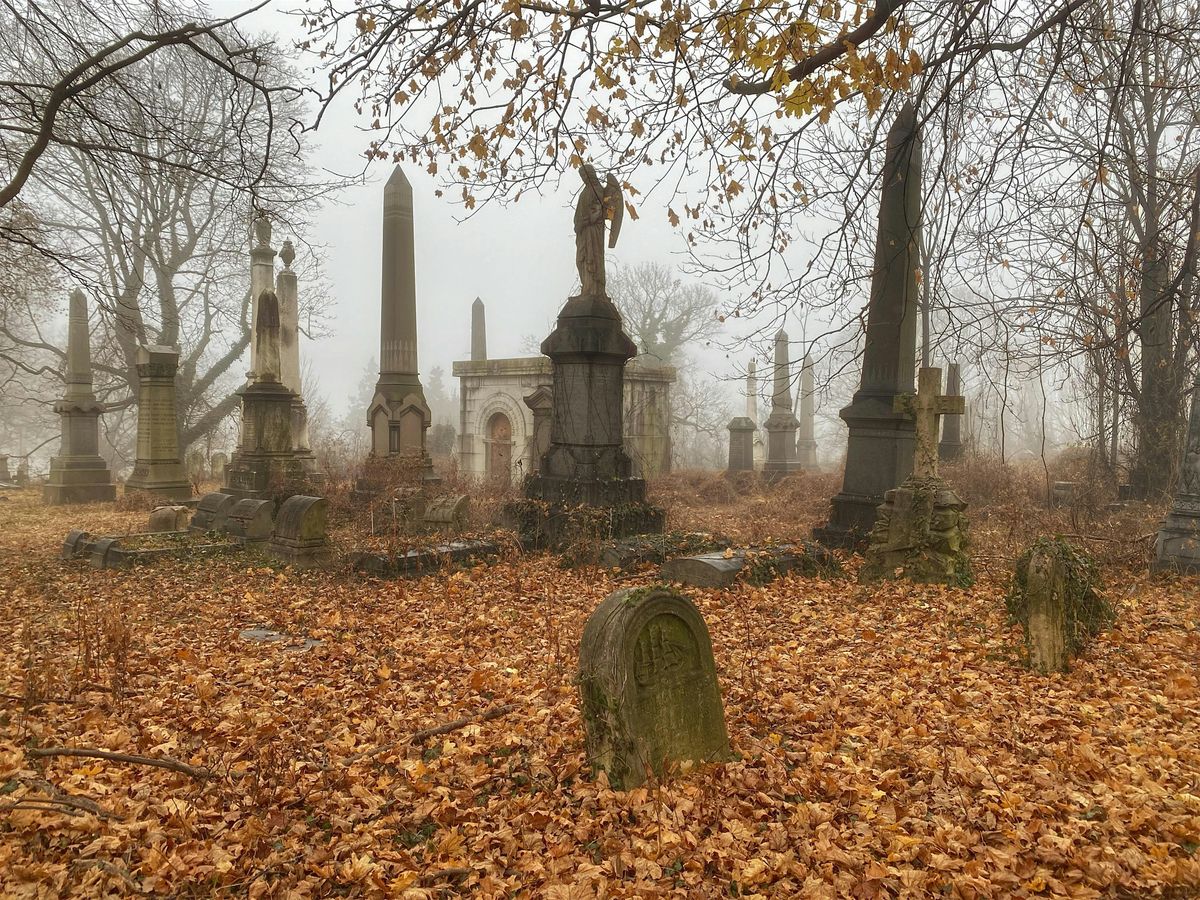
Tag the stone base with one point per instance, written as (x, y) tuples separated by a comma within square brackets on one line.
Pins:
[(590, 492), (299, 554), (850, 522), (166, 480), (558, 526), (1177, 547), (78, 479), (63, 494), (262, 477), (806, 455), (773, 472), (948, 451), (920, 535)]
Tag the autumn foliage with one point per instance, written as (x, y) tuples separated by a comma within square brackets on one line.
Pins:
[(889, 740)]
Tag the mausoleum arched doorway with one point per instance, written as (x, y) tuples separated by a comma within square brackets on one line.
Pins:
[(499, 448)]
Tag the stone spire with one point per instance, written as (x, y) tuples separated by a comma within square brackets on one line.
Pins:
[(262, 276), (78, 474), (781, 424), (752, 393), (806, 446), (478, 332), (879, 451)]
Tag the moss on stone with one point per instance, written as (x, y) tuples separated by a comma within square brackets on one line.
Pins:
[(1087, 611)]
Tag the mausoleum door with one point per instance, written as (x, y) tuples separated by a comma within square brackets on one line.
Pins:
[(499, 448)]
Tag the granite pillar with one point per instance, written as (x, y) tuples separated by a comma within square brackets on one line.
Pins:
[(879, 450), (806, 446), (478, 332), (741, 445), (158, 469), (781, 424), (78, 474), (951, 446)]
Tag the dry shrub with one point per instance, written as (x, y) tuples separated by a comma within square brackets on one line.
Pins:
[(135, 501)]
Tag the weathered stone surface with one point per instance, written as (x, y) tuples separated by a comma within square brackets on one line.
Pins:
[(643, 549), (741, 445), (758, 565), (211, 512), (781, 424), (705, 570), (806, 443), (251, 521), (422, 559), (104, 553), (920, 535), (78, 474), (951, 446), (557, 526), (1055, 596), (650, 698), (158, 468), (450, 511), (168, 518), (1177, 546), (299, 537), (1062, 493), (879, 450), (478, 331), (217, 466), (77, 543)]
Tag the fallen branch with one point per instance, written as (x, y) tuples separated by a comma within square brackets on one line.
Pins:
[(158, 762), (487, 716), (456, 872)]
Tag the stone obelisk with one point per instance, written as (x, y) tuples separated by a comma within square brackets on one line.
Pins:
[(158, 469), (781, 424), (879, 452), (758, 448), (478, 332), (78, 474), (288, 292), (743, 430), (951, 447), (398, 415), (806, 446)]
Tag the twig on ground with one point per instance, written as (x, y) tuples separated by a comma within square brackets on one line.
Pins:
[(418, 737), (173, 765)]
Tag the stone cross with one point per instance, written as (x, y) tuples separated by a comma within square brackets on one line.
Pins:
[(925, 406)]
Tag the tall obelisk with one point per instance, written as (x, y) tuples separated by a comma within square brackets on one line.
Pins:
[(78, 474), (398, 415), (806, 446), (478, 332), (879, 452), (781, 424)]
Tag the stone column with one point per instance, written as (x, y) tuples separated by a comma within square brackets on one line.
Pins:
[(158, 469), (478, 332), (951, 446), (781, 424), (879, 451), (760, 450), (287, 290), (78, 474), (741, 445), (1177, 547), (399, 416), (806, 446), (262, 277)]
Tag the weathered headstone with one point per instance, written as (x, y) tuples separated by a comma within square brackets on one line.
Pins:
[(1177, 546), (741, 445), (920, 533), (879, 451), (251, 521), (806, 444), (951, 446), (1055, 596), (168, 518), (450, 511), (757, 565), (299, 537), (217, 466), (75, 543), (23, 473), (1062, 493), (78, 474), (211, 512), (782, 423), (650, 698), (158, 468)]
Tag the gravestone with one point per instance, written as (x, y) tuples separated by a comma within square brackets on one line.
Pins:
[(251, 521), (806, 444), (217, 466), (879, 449), (756, 565), (1062, 493), (23, 474), (197, 468), (782, 423), (158, 468), (450, 511), (78, 474), (299, 537), (951, 446), (75, 544), (541, 403), (1177, 545), (211, 512), (741, 445), (920, 533), (168, 518), (650, 698)]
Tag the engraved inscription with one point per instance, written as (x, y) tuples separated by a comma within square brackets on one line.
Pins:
[(662, 653)]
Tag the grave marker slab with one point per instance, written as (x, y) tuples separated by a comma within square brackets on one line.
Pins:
[(168, 518), (251, 521), (212, 511), (299, 537), (650, 697)]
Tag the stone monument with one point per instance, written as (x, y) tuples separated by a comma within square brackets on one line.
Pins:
[(78, 474), (806, 446), (398, 415), (478, 332), (650, 698), (158, 469), (1177, 547), (5, 476), (743, 430), (760, 449), (951, 445), (879, 451), (586, 465), (781, 424), (299, 538), (265, 461), (289, 355), (920, 533)]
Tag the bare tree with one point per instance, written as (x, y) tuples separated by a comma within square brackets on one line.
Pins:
[(663, 314)]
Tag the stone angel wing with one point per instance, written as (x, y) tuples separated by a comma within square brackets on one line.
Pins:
[(614, 200)]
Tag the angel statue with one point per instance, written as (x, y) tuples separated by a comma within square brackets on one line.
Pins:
[(597, 203)]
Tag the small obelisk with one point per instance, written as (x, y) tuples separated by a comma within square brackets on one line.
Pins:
[(398, 415), (288, 292), (478, 332), (951, 446), (806, 446), (781, 424), (78, 474), (879, 451)]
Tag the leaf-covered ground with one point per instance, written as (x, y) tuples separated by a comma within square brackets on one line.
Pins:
[(889, 741)]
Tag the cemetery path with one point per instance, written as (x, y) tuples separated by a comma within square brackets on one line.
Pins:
[(888, 740)]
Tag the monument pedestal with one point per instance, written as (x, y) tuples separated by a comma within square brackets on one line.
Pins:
[(79, 474), (1177, 546), (741, 445), (158, 468), (265, 463)]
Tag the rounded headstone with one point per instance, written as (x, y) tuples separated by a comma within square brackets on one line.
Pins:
[(168, 518), (302, 519), (250, 520), (212, 511)]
